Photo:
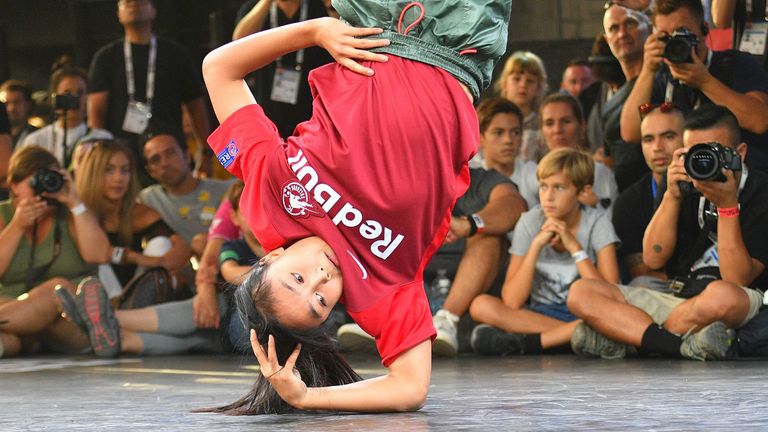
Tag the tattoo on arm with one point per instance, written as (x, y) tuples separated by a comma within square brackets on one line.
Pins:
[(657, 248)]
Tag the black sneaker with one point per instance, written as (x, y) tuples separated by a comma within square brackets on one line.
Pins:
[(490, 341), (96, 312), (69, 307)]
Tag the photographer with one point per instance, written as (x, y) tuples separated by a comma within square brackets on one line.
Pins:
[(68, 88), (712, 238), (47, 238), (729, 78)]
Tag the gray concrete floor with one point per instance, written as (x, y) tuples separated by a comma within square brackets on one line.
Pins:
[(469, 393)]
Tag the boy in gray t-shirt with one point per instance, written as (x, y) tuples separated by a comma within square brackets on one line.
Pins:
[(554, 244)]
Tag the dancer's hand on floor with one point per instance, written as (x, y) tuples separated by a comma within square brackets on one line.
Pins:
[(285, 379), (347, 44)]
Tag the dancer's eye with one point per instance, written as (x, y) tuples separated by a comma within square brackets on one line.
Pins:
[(321, 299), (298, 277)]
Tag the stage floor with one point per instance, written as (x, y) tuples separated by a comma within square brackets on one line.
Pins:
[(469, 393)]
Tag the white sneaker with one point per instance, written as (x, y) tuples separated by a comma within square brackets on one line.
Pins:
[(447, 342), (354, 339)]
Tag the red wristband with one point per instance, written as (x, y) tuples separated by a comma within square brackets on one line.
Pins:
[(728, 212)]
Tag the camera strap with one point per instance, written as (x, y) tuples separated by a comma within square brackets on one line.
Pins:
[(34, 274), (669, 91)]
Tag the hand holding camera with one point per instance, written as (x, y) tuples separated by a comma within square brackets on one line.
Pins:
[(28, 210), (709, 168), (679, 53), (54, 185)]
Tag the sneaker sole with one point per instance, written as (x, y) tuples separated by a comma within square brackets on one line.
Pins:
[(443, 348), (99, 319), (357, 343)]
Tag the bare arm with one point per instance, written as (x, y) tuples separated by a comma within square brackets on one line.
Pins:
[(97, 109), (660, 236), (233, 272), (225, 67), (175, 259), (403, 388), (505, 205), (198, 112), (722, 12), (653, 51), (607, 266), (27, 210), (636, 267), (253, 21)]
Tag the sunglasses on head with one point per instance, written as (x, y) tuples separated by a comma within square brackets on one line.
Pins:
[(647, 108)]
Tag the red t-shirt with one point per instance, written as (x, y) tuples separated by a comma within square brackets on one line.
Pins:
[(374, 173)]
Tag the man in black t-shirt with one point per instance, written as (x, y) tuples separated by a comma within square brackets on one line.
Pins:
[(730, 78), (661, 134), (712, 239), (160, 78), (282, 88)]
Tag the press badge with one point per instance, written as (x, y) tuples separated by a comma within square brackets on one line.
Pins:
[(137, 117), (753, 39), (285, 87)]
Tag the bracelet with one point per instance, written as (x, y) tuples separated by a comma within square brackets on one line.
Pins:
[(117, 254), (728, 212), (579, 256), (472, 226), (78, 209)]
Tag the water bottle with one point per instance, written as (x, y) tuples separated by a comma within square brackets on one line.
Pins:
[(438, 291)]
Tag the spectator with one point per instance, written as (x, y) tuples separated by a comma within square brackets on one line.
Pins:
[(714, 243), (169, 328), (500, 139), (282, 88), (48, 239), (524, 81), (625, 31), (662, 134), (68, 86), (187, 204), (107, 183), (563, 126), (17, 96), (577, 76), (610, 77), (142, 76), (5, 148), (553, 245), (729, 78)]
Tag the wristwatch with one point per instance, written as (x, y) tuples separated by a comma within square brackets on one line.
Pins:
[(476, 224)]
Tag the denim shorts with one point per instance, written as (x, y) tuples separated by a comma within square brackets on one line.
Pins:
[(559, 312)]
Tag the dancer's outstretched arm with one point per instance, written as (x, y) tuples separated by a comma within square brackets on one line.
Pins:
[(225, 67), (403, 388)]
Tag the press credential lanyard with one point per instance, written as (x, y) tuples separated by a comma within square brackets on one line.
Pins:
[(129, 74), (273, 23)]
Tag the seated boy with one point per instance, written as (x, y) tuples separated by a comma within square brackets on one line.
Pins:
[(553, 244)]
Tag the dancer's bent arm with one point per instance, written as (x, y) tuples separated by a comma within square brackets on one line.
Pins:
[(225, 67), (404, 388)]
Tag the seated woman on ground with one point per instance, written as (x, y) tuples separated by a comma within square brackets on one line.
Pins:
[(169, 328), (107, 182), (353, 205), (553, 244), (47, 240)]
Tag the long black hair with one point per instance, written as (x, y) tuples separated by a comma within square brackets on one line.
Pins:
[(319, 363)]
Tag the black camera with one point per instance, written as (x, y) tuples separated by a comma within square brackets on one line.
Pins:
[(706, 161), (66, 102), (46, 180), (678, 46)]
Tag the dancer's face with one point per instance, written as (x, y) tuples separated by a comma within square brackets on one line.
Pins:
[(306, 282)]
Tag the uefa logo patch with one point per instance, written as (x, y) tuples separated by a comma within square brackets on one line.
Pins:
[(227, 156), (296, 201)]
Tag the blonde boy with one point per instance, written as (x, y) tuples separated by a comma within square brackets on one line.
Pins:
[(554, 244)]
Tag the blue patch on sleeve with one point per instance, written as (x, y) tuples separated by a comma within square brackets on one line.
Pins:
[(228, 155)]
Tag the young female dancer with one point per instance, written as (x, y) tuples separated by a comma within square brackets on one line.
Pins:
[(353, 205)]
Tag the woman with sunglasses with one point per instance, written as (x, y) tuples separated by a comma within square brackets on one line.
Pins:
[(48, 238)]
